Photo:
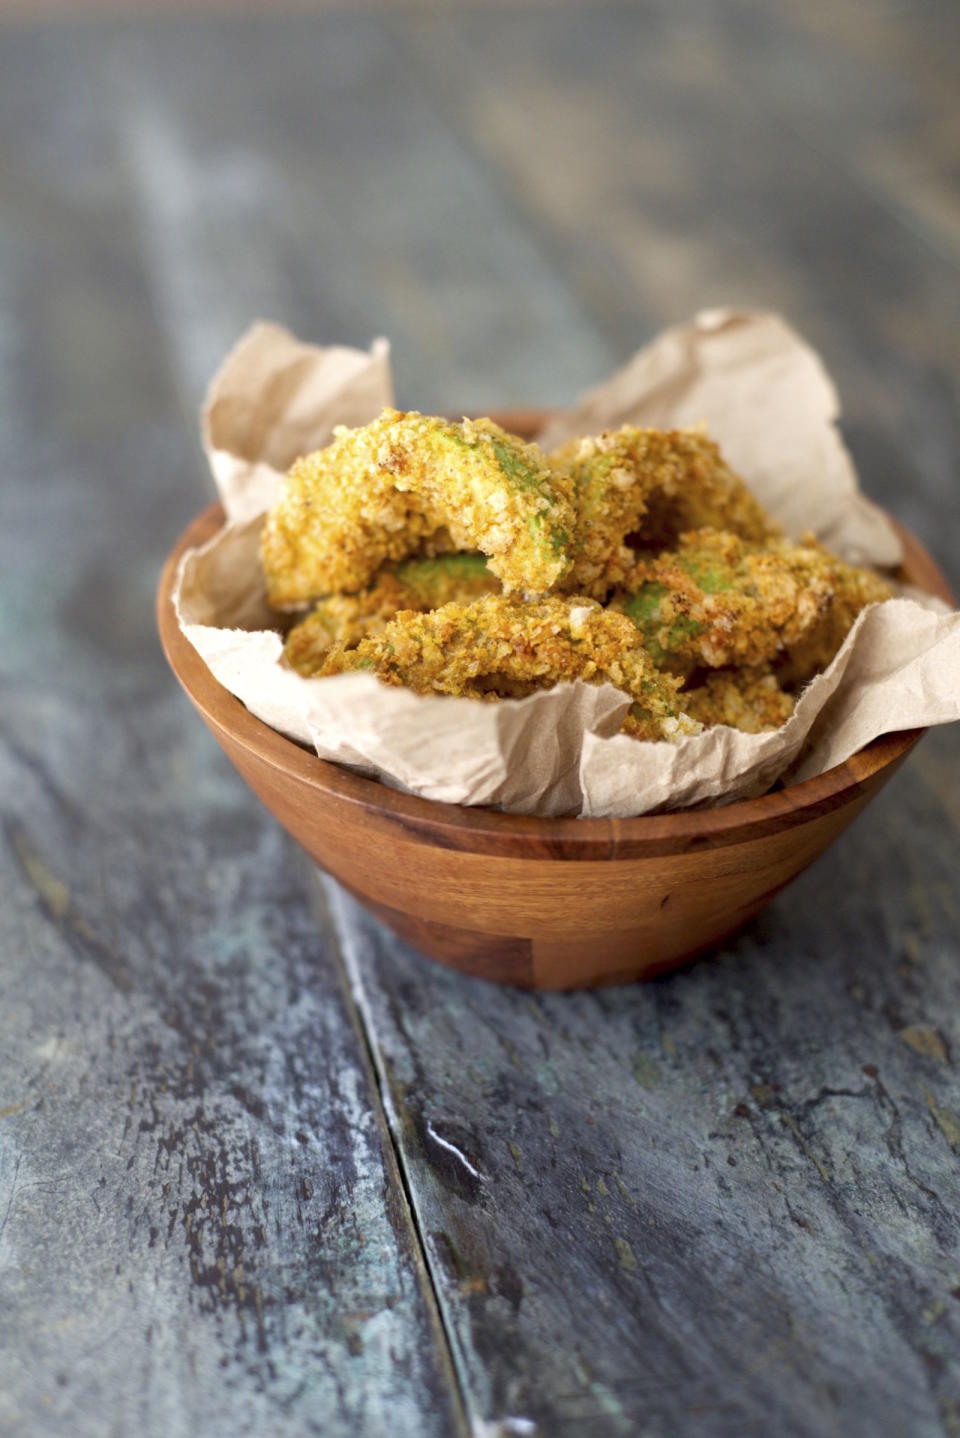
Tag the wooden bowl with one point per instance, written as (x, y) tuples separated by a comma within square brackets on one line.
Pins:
[(542, 903)]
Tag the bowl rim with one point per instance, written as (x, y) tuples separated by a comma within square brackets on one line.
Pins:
[(464, 827)]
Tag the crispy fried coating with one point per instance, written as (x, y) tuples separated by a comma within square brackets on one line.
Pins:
[(381, 492), (653, 485), (699, 490), (500, 647), (715, 618), (853, 589), (417, 584), (612, 484), (718, 600), (747, 699)]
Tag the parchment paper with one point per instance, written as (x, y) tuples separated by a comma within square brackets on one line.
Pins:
[(762, 393)]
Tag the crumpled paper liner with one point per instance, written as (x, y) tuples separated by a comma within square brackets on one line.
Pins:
[(762, 393), (275, 399), (765, 397)]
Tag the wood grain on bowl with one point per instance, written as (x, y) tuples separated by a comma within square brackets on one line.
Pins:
[(543, 903)]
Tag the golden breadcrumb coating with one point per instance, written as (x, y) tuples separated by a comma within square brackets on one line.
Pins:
[(703, 590), (417, 584), (651, 485), (747, 699), (697, 489), (380, 492), (853, 589), (718, 600), (500, 647)]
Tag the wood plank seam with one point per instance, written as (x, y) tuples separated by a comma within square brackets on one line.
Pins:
[(352, 990), (340, 928)]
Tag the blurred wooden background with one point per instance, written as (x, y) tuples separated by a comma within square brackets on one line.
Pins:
[(263, 1169)]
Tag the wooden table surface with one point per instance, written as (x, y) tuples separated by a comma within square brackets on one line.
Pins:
[(263, 1170)]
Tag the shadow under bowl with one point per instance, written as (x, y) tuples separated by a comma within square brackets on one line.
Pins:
[(541, 903)]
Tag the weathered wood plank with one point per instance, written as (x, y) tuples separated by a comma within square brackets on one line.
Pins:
[(893, 113), (721, 1203), (294, 168), (202, 1229)]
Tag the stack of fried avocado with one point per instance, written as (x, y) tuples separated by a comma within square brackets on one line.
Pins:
[(459, 559)]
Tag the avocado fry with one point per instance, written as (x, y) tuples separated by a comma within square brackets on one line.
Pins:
[(500, 647), (379, 493), (649, 485), (719, 600), (417, 584)]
